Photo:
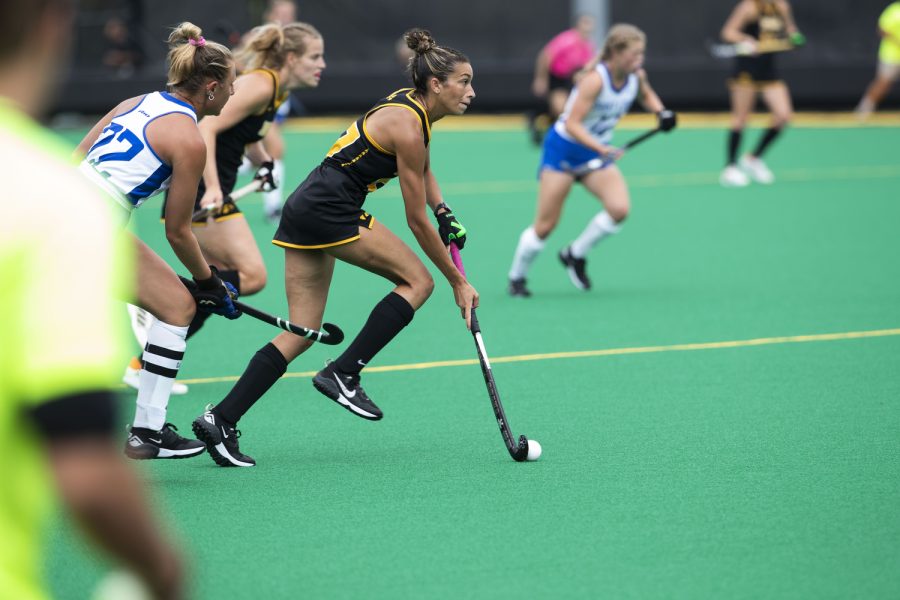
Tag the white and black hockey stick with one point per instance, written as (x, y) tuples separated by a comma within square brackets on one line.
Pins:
[(250, 188), (332, 335), (519, 451), (596, 164)]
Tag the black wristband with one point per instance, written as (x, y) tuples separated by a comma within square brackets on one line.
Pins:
[(212, 282), (439, 207)]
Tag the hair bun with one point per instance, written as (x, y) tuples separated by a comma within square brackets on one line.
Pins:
[(419, 40)]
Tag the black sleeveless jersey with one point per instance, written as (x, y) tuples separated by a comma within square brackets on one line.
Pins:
[(360, 158), (231, 142), (770, 26)]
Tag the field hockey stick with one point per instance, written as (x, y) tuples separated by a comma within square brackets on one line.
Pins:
[(598, 163), (525, 449), (253, 186), (749, 49), (332, 335)]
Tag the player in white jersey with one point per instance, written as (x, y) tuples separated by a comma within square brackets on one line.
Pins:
[(145, 145), (581, 135)]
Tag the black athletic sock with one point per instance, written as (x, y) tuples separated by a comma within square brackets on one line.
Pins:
[(734, 144), (767, 138), (264, 369), (232, 277), (388, 317)]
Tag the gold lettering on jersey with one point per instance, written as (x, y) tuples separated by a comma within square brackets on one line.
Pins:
[(349, 136), (264, 129), (356, 158)]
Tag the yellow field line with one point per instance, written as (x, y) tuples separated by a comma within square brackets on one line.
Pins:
[(688, 120), (792, 339), (529, 186)]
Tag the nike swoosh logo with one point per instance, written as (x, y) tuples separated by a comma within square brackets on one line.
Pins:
[(224, 433), (347, 393), (155, 441)]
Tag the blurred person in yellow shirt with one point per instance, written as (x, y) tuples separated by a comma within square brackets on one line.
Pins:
[(888, 61), (63, 261)]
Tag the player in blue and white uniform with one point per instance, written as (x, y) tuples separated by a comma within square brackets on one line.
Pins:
[(143, 146), (582, 134)]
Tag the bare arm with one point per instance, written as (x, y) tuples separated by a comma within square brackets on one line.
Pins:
[(257, 153), (180, 145), (788, 14), (647, 95), (107, 499), (433, 195), (541, 83), (586, 94), (740, 16), (412, 159)]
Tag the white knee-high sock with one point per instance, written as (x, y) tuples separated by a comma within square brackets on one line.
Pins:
[(272, 199), (601, 226), (161, 361), (530, 245)]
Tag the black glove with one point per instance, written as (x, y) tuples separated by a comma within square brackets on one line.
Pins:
[(266, 176), (667, 120), (214, 295), (449, 228)]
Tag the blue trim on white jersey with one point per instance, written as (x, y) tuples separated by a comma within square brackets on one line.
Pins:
[(172, 98), (151, 184)]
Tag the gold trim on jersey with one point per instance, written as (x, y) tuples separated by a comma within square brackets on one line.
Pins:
[(362, 217), (277, 100)]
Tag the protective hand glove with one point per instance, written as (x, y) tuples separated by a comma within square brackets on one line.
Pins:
[(266, 176), (449, 228), (798, 39), (667, 120), (215, 296)]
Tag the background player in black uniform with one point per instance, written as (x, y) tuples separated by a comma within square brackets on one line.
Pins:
[(276, 60), (757, 23), (323, 220)]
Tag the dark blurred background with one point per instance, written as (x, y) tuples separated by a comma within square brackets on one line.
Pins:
[(120, 49)]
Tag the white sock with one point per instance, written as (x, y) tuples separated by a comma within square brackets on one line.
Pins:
[(599, 227), (246, 166), (272, 199), (530, 245), (162, 359)]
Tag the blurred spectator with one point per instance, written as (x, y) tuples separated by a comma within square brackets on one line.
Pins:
[(556, 67), (58, 361), (281, 12), (123, 51), (888, 61)]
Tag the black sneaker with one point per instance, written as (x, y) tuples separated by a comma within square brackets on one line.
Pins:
[(145, 444), (221, 440), (518, 289), (575, 268), (346, 391)]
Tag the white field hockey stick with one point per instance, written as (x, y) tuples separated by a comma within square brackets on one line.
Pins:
[(595, 164), (252, 187), (749, 48)]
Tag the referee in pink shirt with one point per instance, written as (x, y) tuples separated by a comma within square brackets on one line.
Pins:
[(557, 64)]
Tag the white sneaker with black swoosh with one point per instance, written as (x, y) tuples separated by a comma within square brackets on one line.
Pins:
[(221, 440), (144, 444), (346, 391)]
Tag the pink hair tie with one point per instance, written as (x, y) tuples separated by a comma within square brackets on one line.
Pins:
[(199, 42)]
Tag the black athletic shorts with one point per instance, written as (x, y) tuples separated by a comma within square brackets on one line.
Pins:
[(560, 83), (755, 70), (326, 210)]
